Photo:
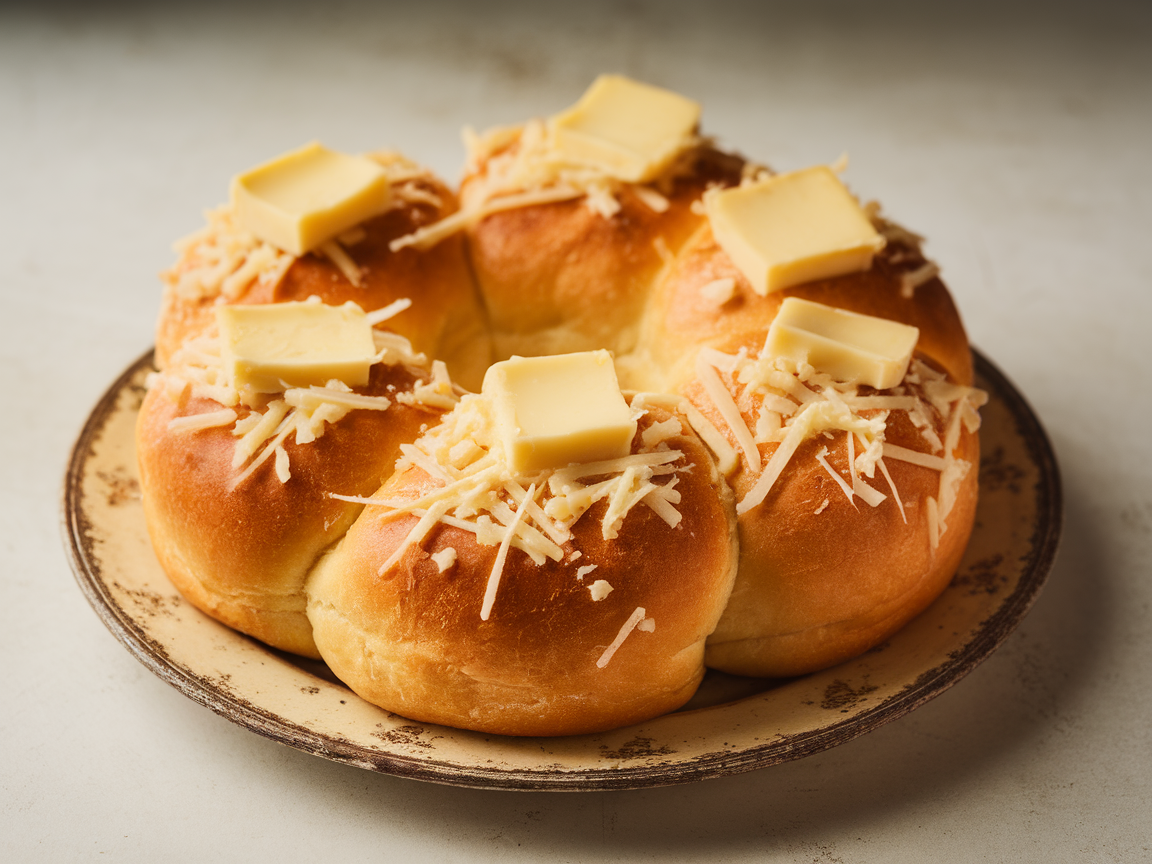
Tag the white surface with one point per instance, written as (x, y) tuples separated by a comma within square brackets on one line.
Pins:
[(1018, 143)]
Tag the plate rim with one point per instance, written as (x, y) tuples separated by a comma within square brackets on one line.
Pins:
[(992, 632)]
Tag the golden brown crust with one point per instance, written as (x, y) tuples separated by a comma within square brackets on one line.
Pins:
[(560, 277), (412, 640), (823, 579), (242, 555)]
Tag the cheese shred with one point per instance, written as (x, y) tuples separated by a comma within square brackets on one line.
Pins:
[(634, 620), (502, 556)]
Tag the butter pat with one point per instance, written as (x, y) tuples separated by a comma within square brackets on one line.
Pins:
[(299, 344), (846, 345), (631, 131), (553, 411), (792, 228), (305, 198)]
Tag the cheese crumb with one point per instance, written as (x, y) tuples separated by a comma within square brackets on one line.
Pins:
[(445, 558), (599, 589), (581, 572), (719, 291)]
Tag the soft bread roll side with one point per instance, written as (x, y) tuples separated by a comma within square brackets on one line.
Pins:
[(241, 555), (561, 277), (823, 579), (412, 639)]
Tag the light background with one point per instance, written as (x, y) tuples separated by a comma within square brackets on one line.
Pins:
[(1016, 137)]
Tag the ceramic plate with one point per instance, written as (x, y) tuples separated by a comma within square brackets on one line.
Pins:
[(732, 725)]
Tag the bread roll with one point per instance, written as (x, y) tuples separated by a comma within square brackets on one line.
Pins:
[(824, 574), (901, 285), (415, 639), (225, 264), (575, 275), (241, 552)]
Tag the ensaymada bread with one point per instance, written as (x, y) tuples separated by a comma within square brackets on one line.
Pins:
[(854, 510), (238, 488), (790, 489), (589, 613), (705, 299), (569, 226), (227, 263), (564, 276), (843, 539)]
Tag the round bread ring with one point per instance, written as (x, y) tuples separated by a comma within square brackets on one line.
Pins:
[(560, 277), (446, 319), (681, 318), (823, 579), (412, 640), (241, 555)]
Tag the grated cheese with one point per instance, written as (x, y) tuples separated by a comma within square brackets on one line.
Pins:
[(903, 454), (523, 168), (282, 471), (821, 457), (438, 392), (334, 252), (913, 279), (502, 556), (726, 405), (719, 291), (652, 199), (794, 402), (223, 259), (444, 559), (388, 312), (599, 590), (581, 572), (424, 524), (208, 420), (268, 420), (476, 490), (633, 621)]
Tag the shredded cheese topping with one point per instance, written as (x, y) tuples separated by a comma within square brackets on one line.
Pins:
[(719, 291), (262, 422), (793, 402), (599, 589), (223, 259), (444, 559), (476, 491), (522, 168)]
